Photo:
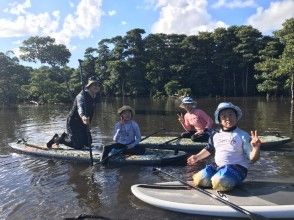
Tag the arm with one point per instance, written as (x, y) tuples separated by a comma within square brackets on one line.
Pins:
[(137, 135), (116, 131), (209, 121), (81, 102), (184, 121), (192, 160), (205, 152)]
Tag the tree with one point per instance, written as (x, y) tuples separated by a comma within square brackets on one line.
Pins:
[(43, 89), (286, 61), (247, 47), (12, 77), (269, 82), (45, 50), (135, 56)]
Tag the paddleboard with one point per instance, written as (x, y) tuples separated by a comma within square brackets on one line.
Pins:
[(186, 144), (151, 156), (266, 198)]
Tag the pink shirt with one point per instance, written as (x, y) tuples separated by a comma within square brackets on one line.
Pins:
[(197, 120)]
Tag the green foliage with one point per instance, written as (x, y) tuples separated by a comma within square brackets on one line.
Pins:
[(286, 61), (172, 87), (43, 89), (12, 76), (184, 92), (233, 61), (45, 50)]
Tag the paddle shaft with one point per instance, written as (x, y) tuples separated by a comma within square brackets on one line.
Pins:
[(88, 129), (171, 140), (251, 215), (162, 129), (89, 145)]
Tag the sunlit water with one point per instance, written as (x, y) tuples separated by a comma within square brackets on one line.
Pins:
[(39, 188)]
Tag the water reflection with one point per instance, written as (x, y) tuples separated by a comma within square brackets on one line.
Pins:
[(38, 188)]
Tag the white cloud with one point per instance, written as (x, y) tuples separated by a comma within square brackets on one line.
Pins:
[(28, 24), (270, 19), (18, 9), (112, 13), (81, 24), (183, 17), (71, 4), (234, 4), (86, 19), (123, 23)]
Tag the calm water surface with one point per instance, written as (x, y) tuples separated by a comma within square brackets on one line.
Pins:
[(38, 188)]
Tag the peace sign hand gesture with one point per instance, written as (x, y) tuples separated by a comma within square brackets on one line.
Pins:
[(255, 141)]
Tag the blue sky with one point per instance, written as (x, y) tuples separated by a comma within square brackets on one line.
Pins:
[(80, 24)]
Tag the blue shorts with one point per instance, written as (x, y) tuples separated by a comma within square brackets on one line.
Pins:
[(222, 178)]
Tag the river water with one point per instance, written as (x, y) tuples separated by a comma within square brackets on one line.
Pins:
[(39, 188)]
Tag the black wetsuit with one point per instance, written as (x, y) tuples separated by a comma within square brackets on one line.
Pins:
[(79, 134)]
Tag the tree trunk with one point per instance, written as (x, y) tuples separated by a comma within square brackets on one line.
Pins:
[(292, 87), (235, 89), (224, 85), (267, 96), (123, 91), (246, 81)]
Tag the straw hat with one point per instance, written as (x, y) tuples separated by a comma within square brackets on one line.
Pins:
[(226, 105), (126, 108), (187, 100)]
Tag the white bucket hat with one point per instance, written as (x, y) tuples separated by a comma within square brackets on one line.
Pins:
[(187, 100), (226, 105)]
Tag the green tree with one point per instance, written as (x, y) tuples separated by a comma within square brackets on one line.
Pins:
[(42, 88), (45, 50), (269, 82), (247, 47), (172, 87), (286, 61), (156, 66), (135, 56), (12, 77)]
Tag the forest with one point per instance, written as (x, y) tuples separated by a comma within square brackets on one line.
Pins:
[(237, 61)]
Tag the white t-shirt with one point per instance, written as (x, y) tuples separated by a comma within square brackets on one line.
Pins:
[(230, 147)]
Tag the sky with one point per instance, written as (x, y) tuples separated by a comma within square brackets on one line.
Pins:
[(80, 24)]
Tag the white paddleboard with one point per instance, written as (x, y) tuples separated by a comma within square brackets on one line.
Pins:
[(267, 198)]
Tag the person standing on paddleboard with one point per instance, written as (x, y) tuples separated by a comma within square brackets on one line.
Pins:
[(233, 148), (127, 135), (78, 121), (196, 122)]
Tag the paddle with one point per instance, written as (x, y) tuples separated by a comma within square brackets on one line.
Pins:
[(249, 214), (121, 151), (90, 147), (88, 129), (171, 140), (162, 129)]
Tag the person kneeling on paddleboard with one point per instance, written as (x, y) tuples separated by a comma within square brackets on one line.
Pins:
[(196, 122), (127, 135), (233, 151), (78, 121)]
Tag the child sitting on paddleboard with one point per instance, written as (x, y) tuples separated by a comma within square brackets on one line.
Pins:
[(196, 122), (233, 151), (127, 135)]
